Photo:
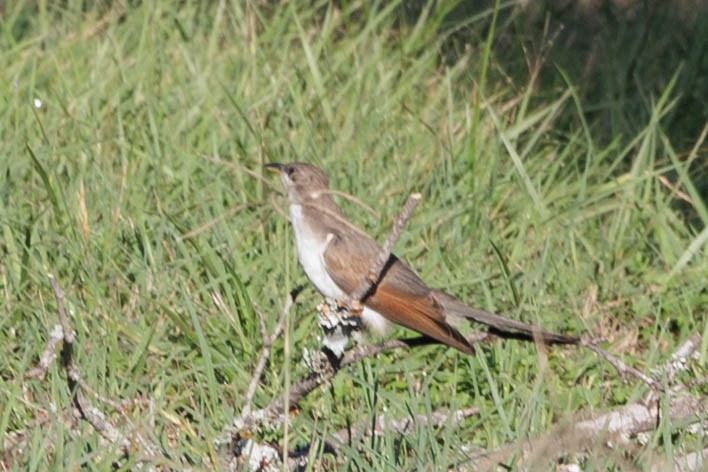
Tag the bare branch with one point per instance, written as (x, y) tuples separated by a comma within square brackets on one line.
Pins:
[(56, 336), (620, 366), (637, 417), (95, 417), (69, 333), (677, 362), (618, 424), (268, 342)]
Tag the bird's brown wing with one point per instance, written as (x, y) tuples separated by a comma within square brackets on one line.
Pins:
[(400, 296)]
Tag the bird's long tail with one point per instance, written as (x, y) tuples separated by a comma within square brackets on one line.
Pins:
[(501, 324)]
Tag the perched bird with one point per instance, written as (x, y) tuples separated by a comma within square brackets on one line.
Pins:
[(336, 256)]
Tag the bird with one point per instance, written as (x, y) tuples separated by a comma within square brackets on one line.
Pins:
[(336, 255)]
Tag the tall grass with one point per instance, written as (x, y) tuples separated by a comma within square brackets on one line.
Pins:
[(132, 144)]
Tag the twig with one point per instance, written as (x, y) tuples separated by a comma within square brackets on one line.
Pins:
[(95, 417), (374, 274), (618, 424), (621, 367), (69, 333), (56, 336), (268, 342), (637, 417), (119, 406), (677, 362)]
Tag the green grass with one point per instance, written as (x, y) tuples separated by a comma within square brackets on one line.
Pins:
[(139, 184)]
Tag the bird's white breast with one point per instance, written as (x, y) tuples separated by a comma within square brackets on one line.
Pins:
[(310, 253)]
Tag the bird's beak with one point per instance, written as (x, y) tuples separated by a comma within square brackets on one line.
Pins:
[(275, 167)]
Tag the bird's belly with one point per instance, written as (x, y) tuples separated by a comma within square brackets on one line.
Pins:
[(375, 321)]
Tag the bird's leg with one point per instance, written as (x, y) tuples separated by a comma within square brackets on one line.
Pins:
[(354, 310)]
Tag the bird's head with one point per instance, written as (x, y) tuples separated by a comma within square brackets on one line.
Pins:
[(301, 180)]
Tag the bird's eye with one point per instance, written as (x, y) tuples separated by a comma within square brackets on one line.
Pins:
[(291, 172)]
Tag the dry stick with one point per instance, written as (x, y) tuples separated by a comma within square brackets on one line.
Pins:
[(615, 425), (268, 342), (69, 333), (622, 368), (670, 367), (56, 336), (620, 422), (94, 394), (677, 361), (91, 414), (637, 417), (626, 419)]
